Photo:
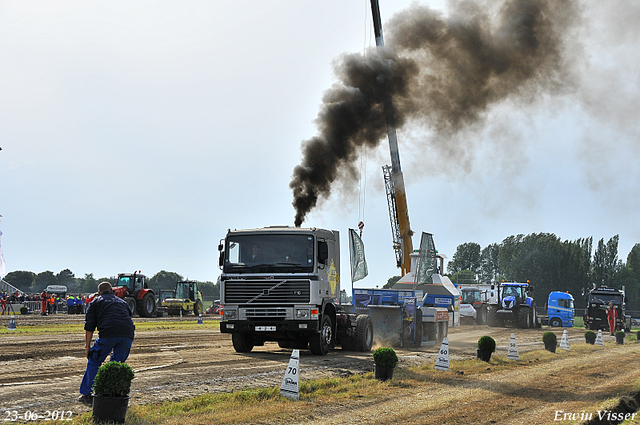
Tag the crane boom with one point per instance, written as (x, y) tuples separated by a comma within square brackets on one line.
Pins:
[(395, 191)]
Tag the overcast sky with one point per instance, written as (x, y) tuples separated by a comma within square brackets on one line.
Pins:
[(134, 134)]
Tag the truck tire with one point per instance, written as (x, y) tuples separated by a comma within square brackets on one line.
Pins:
[(481, 317), (555, 323), (131, 303), (320, 343), (524, 317), (492, 316), (242, 343), (147, 306), (364, 330)]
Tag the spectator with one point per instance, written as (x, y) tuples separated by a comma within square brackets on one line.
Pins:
[(112, 317)]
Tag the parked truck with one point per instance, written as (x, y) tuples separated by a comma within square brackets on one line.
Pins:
[(513, 304), (598, 300), (283, 284), (559, 311)]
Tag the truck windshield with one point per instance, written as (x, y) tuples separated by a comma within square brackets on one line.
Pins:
[(605, 298), (263, 253), (566, 303), (469, 297)]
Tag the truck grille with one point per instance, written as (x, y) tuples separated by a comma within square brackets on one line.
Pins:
[(266, 291), (266, 313)]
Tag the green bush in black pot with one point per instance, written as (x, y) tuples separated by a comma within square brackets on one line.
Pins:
[(113, 380), (486, 343), (385, 357), (620, 337), (550, 341), (590, 337), (111, 392), (486, 346), (385, 360)]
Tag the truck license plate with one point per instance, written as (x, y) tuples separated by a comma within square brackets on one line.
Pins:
[(265, 328)]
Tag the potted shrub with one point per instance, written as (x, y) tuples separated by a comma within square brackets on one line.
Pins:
[(24, 309), (550, 341), (111, 392), (384, 361), (486, 346), (620, 337), (590, 337)]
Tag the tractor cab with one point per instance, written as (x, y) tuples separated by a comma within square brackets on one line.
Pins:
[(187, 299), (186, 290), (134, 282)]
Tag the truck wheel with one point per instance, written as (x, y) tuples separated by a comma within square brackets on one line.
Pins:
[(364, 330), (555, 323), (481, 318), (320, 343), (242, 343), (147, 305), (197, 308), (524, 317), (492, 316), (131, 303)]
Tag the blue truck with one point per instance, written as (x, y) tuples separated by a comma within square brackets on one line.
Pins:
[(560, 310)]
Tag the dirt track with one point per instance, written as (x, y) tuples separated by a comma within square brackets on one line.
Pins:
[(43, 372)]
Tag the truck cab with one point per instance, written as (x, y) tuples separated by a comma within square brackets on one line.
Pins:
[(282, 284), (598, 301), (560, 310)]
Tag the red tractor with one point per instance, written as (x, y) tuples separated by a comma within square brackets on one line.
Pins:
[(133, 288)]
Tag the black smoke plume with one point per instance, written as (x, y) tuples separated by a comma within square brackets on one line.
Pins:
[(439, 71)]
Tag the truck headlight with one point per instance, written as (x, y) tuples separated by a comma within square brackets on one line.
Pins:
[(229, 314), (302, 313)]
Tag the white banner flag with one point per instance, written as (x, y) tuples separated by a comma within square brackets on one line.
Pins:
[(3, 265)]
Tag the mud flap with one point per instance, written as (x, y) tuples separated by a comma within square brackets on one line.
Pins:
[(387, 324)]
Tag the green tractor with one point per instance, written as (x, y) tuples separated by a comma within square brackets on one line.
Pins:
[(187, 300)]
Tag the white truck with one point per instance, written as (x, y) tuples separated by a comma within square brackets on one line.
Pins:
[(283, 284)]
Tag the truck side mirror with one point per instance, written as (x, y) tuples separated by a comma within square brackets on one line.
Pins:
[(220, 247), (221, 259), (323, 252)]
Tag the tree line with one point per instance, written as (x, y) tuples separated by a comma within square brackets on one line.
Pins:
[(550, 264), (33, 283)]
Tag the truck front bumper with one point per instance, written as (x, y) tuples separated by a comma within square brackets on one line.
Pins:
[(269, 328)]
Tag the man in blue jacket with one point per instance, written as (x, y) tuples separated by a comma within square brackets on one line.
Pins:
[(112, 317)]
